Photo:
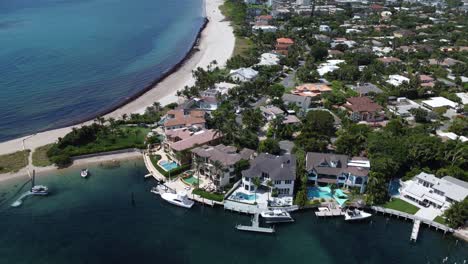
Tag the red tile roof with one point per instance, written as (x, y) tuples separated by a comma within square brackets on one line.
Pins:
[(285, 41), (362, 104)]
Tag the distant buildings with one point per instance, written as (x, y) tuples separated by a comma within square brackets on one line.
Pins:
[(312, 90), (326, 168), (269, 59), (243, 74), (365, 89), (364, 109), (436, 102), (270, 112), (283, 45), (301, 101), (182, 118), (402, 107), (397, 80)]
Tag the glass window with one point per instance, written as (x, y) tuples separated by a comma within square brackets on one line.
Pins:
[(288, 182)]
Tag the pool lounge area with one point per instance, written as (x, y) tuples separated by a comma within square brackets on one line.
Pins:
[(168, 165), (325, 192)]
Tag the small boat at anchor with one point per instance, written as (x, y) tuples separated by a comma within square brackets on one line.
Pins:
[(40, 190), (356, 214), (84, 173), (276, 216), (179, 199)]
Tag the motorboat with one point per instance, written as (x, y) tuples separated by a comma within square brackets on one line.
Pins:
[(159, 189), (179, 199), (356, 214), (84, 173), (276, 216), (324, 209), (39, 190)]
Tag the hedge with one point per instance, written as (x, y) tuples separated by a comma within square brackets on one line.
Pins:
[(208, 195), (168, 174)]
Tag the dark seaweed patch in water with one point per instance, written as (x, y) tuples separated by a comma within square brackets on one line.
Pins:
[(10, 24)]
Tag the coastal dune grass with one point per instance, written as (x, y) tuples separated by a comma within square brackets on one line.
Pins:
[(13, 162), (402, 206), (39, 156)]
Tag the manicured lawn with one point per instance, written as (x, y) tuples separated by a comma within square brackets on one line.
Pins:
[(13, 162), (207, 195), (402, 206), (440, 220), (39, 156)]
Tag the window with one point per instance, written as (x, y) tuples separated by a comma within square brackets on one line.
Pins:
[(265, 175), (288, 182), (283, 191), (277, 182)]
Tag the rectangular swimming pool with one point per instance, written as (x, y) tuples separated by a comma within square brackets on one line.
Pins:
[(168, 165)]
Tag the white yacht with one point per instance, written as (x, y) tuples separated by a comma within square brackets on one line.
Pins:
[(356, 214), (39, 190), (276, 216), (179, 199), (84, 173)]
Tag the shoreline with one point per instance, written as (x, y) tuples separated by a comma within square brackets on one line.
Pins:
[(215, 41), (101, 158)]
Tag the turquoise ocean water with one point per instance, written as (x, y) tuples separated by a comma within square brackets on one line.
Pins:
[(65, 60), (94, 221)]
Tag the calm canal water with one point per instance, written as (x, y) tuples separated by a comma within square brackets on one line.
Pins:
[(93, 221)]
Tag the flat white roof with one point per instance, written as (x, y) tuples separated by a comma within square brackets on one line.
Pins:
[(439, 101), (463, 97)]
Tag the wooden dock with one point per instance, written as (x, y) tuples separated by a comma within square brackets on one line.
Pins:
[(415, 231), (255, 227)]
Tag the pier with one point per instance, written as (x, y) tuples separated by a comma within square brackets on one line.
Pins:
[(415, 231), (255, 227), (417, 221)]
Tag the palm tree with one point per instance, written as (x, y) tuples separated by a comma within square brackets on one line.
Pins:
[(270, 185), (198, 164), (124, 117), (218, 166), (256, 182), (157, 106), (276, 123)]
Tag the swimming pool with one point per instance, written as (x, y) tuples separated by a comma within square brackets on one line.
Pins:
[(192, 180), (325, 192), (168, 165), (244, 196)]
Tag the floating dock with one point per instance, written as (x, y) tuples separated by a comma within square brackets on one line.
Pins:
[(255, 227)]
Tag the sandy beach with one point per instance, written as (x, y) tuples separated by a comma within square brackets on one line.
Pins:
[(216, 43)]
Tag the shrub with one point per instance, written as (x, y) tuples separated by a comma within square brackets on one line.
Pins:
[(61, 160), (207, 195)]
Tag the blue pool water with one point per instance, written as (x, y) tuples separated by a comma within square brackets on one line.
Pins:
[(325, 192), (168, 165), (244, 196), (65, 61)]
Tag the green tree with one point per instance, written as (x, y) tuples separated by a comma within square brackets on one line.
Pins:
[(270, 146), (457, 214)]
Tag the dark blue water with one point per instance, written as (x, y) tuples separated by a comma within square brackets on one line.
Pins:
[(93, 221), (65, 60)]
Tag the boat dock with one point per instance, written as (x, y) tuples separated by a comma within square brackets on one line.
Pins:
[(331, 212), (417, 221), (415, 231), (255, 227)]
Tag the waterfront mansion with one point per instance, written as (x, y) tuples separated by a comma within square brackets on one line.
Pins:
[(326, 168), (427, 189), (277, 173), (218, 162)]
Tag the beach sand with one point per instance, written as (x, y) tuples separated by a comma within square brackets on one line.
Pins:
[(216, 43)]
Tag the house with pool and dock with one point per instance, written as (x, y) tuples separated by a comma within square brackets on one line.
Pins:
[(326, 169), (217, 163)]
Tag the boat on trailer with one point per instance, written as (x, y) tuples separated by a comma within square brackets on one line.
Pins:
[(276, 216)]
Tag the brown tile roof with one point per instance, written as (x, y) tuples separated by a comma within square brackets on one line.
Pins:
[(227, 155), (286, 41), (197, 138), (180, 118), (387, 60), (362, 104), (311, 89)]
